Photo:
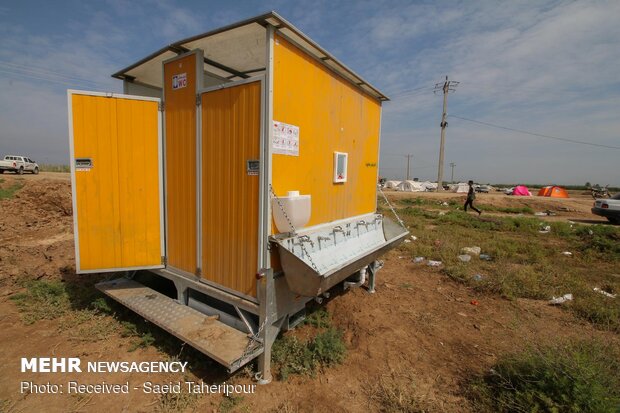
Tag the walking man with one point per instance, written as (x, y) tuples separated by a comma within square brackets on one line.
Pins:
[(471, 195)]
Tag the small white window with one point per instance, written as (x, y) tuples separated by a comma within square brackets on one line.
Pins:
[(340, 167)]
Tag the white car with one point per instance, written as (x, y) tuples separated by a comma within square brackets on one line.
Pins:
[(608, 208), (18, 164)]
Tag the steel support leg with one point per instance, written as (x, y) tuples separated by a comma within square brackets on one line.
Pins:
[(372, 274), (267, 331)]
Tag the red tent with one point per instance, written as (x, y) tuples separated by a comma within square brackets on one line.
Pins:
[(553, 192)]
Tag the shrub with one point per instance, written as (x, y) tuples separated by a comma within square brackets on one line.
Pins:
[(578, 377), (328, 348), (292, 357)]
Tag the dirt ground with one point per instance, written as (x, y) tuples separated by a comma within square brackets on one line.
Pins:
[(419, 326)]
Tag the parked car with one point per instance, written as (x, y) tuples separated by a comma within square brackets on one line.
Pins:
[(483, 189), (18, 164), (608, 208)]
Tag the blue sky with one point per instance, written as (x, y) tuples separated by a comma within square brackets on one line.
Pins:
[(549, 67)]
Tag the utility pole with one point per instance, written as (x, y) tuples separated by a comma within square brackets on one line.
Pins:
[(447, 87), (408, 157), (452, 165)]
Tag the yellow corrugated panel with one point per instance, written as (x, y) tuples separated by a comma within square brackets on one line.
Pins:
[(118, 210), (332, 116), (230, 137), (181, 164)]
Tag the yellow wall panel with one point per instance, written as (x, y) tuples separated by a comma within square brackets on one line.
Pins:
[(332, 116), (230, 137), (118, 200), (180, 115)]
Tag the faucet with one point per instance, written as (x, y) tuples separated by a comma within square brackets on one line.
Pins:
[(322, 238), (305, 238)]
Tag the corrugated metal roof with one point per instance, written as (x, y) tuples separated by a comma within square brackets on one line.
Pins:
[(236, 52)]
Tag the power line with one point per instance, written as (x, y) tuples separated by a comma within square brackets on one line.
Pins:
[(44, 74), (411, 92), (540, 135)]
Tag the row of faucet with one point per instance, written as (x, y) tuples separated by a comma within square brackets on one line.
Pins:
[(303, 239)]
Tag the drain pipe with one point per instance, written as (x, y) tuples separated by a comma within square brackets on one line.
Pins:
[(359, 282)]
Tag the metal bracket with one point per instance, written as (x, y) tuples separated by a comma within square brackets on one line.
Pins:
[(198, 272), (161, 106), (198, 99), (164, 260)]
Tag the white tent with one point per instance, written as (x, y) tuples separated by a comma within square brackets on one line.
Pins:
[(429, 186), (461, 187), (391, 184), (410, 186)]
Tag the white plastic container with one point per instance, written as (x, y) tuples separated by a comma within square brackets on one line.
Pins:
[(297, 207)]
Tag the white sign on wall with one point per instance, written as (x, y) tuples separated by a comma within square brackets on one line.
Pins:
[(179, 81), (285, 139)]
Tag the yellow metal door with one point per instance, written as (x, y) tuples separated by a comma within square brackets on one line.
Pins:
[(180, 86), (115, 145), (230, 153)]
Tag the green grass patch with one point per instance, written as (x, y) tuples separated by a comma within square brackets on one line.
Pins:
[(42, 300), (293, 356), (578, 377), (8, 193), (604, 239), (319, 318), (525, 262)]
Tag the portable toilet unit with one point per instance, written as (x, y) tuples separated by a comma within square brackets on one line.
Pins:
[(239, 167)]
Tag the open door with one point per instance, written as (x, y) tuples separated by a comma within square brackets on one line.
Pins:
[(116, 181), (231, 131)]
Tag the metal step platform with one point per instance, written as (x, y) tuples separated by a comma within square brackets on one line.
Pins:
[(230, 347)]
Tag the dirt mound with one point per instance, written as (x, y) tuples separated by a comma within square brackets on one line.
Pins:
[(36, 231)]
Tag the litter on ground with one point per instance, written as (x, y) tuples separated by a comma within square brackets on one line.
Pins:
[(567, 253), (432, 263), (605, 293), (464, 258), (418, 259), (486, 257), (560, 300), (471, 250), (477, 277)]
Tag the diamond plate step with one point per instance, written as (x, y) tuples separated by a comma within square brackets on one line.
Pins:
[(228, 346)]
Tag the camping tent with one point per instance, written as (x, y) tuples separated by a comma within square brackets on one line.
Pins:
[(410, 186), (429, 186), (460, 187), (521, 190), (391, 184), (553, 192)]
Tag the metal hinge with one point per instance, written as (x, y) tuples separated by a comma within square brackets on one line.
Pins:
[(198, 272), (198, 100), (161, 106), (164, 261)]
